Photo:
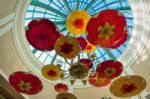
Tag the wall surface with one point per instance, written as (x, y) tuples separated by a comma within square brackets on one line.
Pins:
[(7, 7)]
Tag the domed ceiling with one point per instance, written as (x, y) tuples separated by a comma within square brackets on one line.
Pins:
[(58, 12)]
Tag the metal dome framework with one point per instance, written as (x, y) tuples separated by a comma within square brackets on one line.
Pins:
[(58, 10)]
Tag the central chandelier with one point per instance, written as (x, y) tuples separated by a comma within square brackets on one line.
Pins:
[(79, 70)]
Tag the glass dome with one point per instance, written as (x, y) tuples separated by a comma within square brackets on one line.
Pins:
[(58, 11)]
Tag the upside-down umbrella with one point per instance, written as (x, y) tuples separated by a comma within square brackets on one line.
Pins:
[(77, 21), (98, 82), (107, 29), (67, 47), (61, 87), (25, 82), (66, 96), (51, 72), (82, 42), (89, 48), (128, 86), (42, 34), (109, 69), (87, 62)]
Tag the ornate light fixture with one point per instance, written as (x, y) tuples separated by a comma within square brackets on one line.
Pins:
[(79, 70)]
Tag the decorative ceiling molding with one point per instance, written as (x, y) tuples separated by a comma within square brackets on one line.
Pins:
[(6, 24), (6, 19), (140, 32)]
